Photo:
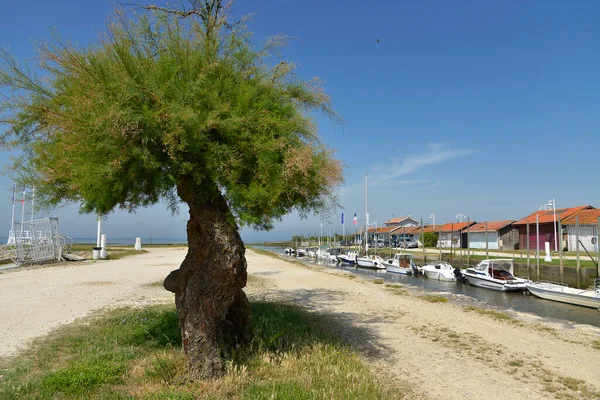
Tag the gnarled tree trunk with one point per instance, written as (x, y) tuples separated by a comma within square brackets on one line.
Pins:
[(214, 313)]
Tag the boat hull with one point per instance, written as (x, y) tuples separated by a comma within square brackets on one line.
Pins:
[(346, 259), (365, 263), (495, 284), (397, 270), (577, 297), (440, 276)]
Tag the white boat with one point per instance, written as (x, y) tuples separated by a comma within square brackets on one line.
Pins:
[(301, 252), (332, 254), (439, 270), (565, 294), (349, 258), (402, 263), (495, 274), (370, 262)]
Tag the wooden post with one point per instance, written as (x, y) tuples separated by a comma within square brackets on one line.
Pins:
[(561, 261), (423, 242), (537, 244), (598, 247), (487, 250), (468, 246), (451, 241), (577, 246), (527, 240)]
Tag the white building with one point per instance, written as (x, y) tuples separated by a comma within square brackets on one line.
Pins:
[(588, 230)]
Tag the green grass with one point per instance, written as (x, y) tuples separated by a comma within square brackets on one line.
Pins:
[(497, 315), (434, 299), (378, 281), (596, 344), (136, 353)]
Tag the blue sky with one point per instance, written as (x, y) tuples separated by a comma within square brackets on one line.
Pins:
[(485, 108)]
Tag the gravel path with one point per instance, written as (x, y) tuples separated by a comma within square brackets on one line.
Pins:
[(35, 300)]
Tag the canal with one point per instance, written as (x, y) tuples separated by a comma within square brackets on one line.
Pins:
[(465, 294)]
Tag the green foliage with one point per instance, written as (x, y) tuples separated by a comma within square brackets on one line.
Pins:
[(430, 239), (165, 107)]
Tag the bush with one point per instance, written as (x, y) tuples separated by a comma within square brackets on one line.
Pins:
[(430, 239)]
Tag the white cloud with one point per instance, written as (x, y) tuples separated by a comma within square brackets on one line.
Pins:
[(436, 153)]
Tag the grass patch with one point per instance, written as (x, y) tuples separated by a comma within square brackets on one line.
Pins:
[(378, 281), (497, 315), (136, 353), (393, 285), (596, 344), (117, 254), (434, 299), (157, 284)]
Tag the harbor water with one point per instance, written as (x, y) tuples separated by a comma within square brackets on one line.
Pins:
[(464, 294)]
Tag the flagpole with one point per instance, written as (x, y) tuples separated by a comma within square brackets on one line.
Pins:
[(12, 222), (32, 202), (23, 209)]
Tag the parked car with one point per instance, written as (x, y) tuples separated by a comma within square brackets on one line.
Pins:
[(407, 243)]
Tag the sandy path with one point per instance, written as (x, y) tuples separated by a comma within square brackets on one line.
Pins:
[(433, 350), (438, 350), (33, 301)]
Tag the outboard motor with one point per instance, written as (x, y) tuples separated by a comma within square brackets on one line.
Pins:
[(458, 274), (597, 285), (415, 269)]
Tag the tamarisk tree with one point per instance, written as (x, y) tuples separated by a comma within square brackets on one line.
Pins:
[(176, 106)]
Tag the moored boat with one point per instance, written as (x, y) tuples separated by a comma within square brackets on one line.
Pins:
[(495, 274), (349, 258), (402, 263), (370, 261), (439, 270), (565, 294)]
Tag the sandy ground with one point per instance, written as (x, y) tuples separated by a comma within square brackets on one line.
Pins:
[(35, 300), (437, 350), (432, 350)]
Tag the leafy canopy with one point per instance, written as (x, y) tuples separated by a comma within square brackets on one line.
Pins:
[(163, 102)]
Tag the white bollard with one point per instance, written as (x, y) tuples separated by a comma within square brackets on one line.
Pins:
[(103, 254), (548, 255), (138, 244), (96, 253)]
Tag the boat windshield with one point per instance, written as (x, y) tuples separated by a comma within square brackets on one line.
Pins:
[(505, 265)]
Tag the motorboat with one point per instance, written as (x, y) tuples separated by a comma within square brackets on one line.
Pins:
[(402, 263), (439, 270), (565, 294), (497, 274), (333, 253), (370, 261), (349, 258), (301, 252)]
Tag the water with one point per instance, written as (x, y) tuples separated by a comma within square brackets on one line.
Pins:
[(465, 294), (120, 241)]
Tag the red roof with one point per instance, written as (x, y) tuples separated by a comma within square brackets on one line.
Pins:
[(547, 216), (414, 230), (381, 229), (453, 226), (398, 220), (491, 226), (587, 217)]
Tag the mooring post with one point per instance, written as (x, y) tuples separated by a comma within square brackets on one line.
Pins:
[(561, 261)]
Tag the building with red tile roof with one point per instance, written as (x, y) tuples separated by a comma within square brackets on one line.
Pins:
[(582, 226), (495, 235), (452, 234), (548, 225)]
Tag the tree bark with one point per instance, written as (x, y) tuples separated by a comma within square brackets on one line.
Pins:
[(214, 313)]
